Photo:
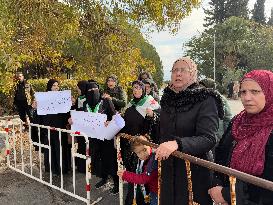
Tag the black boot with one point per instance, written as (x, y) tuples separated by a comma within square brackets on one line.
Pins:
[(101, 183), (115, 189)]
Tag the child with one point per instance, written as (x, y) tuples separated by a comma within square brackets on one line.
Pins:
[(149, 176)]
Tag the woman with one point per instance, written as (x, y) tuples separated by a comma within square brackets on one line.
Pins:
[(57, 121), (188, 123), (81, 88), (149, 87), (114, 92), (247, 145), (146, 75), (103, 153), (139, 120)]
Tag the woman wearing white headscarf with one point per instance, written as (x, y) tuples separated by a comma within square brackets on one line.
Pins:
[(188, 123)]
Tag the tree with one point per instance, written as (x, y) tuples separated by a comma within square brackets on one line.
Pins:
[(220, 10), (159, 14), (237, 8), (216, 13), (270, 20), (148, 52), (240, 45), (258, 12)]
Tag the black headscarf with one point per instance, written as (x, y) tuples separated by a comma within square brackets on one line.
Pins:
[(93, 97), (50, 84), (113, 77), (141, 84), (82, 86)]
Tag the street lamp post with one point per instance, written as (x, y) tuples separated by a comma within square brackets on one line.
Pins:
[(214, 60)]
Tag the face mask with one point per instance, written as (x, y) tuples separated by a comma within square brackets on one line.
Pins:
[(93, 97)]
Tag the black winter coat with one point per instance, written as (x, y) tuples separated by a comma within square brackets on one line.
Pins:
[(246, 194), (118, 97), (58, 121), (103, 154), (191, 118)]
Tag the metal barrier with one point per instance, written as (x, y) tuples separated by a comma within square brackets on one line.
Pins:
[(18, 162), (232, 173)]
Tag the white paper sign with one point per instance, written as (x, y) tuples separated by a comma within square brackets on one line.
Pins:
[(53, 102), (114, 126), (91, 124)]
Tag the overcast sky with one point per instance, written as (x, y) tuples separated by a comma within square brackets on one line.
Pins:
[(170, 47)]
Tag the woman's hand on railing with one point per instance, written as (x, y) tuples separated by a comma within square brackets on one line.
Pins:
[(120, 173), (216, 195), (166, 149)]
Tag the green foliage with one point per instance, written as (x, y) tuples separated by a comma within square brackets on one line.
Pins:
[(258, 12), (220, 10), (241, 45), (82, 39), (149, 52), (216, 13), (157, 13)]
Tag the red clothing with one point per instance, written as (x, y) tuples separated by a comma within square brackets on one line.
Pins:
[(150, 180)]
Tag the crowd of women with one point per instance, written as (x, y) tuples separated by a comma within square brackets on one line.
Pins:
[(187, 120)]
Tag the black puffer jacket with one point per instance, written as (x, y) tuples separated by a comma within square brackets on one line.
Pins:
[(246, 194)]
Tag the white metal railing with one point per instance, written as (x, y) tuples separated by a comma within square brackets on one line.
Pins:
[(16, 161)]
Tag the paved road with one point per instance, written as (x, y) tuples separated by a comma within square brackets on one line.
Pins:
[(17, 189)]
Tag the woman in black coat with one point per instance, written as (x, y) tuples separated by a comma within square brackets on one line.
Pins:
[(58, 121), (81, 88), (103, 154), (247, 145), (115, 93), (188, 123)]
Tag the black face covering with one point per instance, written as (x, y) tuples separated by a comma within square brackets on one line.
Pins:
[(92, 96)]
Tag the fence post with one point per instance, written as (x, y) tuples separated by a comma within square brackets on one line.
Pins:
[(159, 181), (88, 170), (232, 181), (7, 144), (120, 166)]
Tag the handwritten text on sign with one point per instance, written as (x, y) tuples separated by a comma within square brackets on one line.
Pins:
[(53, 102), (92, 124)]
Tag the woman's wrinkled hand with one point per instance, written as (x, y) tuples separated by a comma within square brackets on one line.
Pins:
[(149, 112), (166, 149), (216, 195)]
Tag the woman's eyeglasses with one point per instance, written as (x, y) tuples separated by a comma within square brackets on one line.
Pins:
[(136, 87), (182, 70)]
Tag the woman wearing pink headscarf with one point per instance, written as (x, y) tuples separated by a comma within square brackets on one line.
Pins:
[(247, 145), (188, 123)]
